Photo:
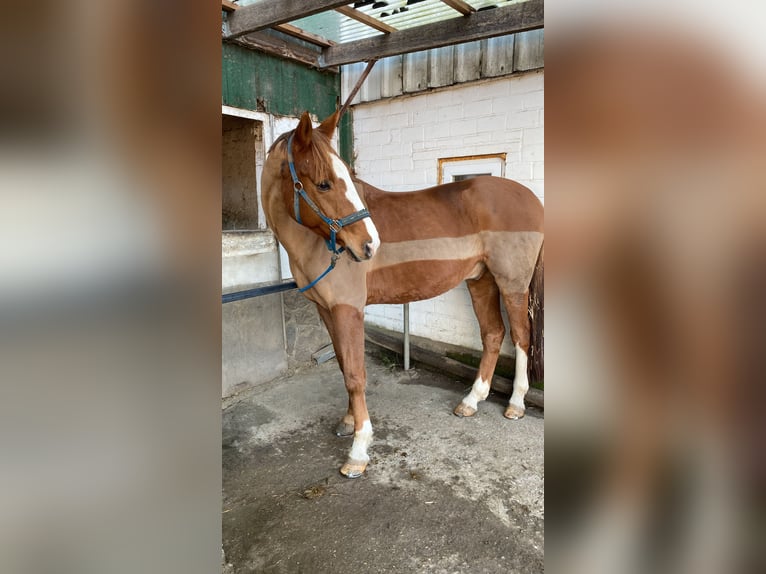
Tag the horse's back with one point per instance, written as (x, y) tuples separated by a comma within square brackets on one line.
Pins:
[(456, 209), (437, 237), (503, 205)]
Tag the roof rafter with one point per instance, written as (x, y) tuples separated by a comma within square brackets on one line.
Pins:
[(463, 7), (360, 16), (302, 34), (229, 6)]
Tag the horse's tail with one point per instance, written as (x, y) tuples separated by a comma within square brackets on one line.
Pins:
[(536, 319)]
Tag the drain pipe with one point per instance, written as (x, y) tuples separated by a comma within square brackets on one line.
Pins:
[(406, 336)]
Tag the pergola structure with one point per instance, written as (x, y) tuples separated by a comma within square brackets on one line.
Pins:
[(266, 25)]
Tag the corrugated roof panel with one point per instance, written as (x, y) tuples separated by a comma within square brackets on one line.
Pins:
[(325, 24), (401, 14), (416, 14)]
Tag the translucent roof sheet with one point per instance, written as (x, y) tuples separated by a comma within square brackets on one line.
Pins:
[(400, 14)]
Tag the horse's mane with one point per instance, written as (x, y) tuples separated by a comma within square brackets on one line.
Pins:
[(321, 151)]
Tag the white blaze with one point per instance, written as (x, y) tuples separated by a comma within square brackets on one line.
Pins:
[(520, 380), (479, 392), (341, 172), (362, 439)]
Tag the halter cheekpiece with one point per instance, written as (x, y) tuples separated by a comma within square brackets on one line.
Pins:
[(335, 225)]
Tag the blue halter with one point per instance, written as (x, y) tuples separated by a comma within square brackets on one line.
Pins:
[(335, 225)]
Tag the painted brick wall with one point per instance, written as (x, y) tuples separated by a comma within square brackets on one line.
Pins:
[(398, 143)]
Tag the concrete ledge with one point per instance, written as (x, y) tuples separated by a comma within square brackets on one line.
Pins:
[(248, 258), (238, 243)]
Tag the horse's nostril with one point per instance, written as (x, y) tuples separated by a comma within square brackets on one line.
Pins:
[(368, 251)]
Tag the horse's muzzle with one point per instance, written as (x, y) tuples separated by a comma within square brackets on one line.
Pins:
[(368, 250)]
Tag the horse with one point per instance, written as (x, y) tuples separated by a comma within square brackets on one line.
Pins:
[(351, 244)]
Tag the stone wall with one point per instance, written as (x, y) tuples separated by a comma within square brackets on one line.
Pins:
[(252, 341), (304, 331)]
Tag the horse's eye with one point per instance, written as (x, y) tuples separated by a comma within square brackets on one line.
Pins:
[(324, 185)]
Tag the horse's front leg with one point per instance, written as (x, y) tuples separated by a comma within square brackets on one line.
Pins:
[(348, 331), (346, 425)]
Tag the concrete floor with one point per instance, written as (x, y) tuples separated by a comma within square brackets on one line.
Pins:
[(442, 494)]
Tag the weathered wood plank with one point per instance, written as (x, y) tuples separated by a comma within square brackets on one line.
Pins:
[(360, 16), (302, 34), (467, 62), (268, 13), (441, 67), (415, 72), (268, 41), (391, 76), (498, 56), (229, 6), (529, 51), (519, 17)]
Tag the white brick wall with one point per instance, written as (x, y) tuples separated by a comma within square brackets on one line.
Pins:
[(398, 144)]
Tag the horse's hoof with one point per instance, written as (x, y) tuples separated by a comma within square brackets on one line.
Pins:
[(513, 412), (344, 429), (353, 468), (463, 410)]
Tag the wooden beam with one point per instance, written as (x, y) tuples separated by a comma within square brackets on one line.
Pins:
[(274, 43), (229, 6), (519, 17), (360, 16), (446, 364), (462, 7), (268, 13), (302, 34)]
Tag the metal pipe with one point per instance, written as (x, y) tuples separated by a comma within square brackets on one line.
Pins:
[(406, 336), (263, 289)]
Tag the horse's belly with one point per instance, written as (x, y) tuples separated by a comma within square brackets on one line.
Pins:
[(417, 280)]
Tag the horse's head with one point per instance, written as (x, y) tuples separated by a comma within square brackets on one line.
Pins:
[(326, 180)]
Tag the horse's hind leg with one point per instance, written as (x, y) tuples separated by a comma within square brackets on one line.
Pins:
[(346, 425), (485, 297), (517, 305)]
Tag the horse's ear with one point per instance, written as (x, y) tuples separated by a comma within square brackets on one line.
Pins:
[(328, 126), (303, 132)]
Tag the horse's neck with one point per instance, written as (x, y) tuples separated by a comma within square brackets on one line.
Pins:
[(299, 241), (366, 191)]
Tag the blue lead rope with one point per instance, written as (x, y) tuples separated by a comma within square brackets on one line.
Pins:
[(335, 225)]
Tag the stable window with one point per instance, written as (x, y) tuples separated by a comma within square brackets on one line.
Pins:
[(242, 145), (461, 168)]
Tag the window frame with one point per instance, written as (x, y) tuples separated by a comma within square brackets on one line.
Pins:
[(494, 163)]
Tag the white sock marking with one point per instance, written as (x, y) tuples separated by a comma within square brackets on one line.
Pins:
[(520, 380), (362, 439), (341, 172), (479, 392)]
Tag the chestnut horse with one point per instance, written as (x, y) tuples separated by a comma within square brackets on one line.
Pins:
[(351, 245)]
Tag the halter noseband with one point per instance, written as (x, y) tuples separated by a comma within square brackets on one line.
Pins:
[(335, 225)]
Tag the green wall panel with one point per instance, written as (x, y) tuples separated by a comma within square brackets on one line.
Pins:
[(257, 81), (254, 80)]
